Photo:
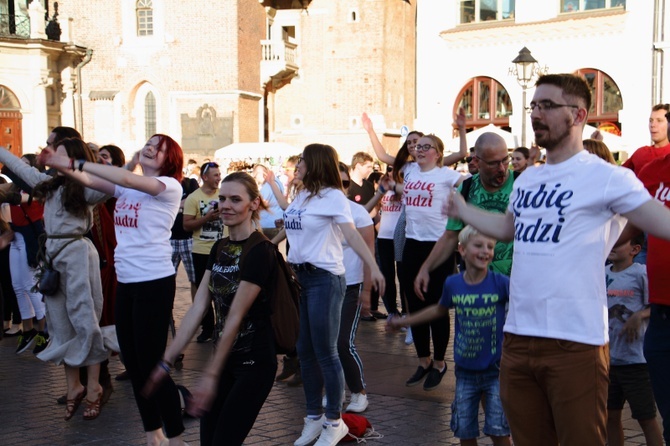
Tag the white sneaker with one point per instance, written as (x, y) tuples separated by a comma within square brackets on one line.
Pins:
[(409, 340), (359, 402), (310, 431), (331, 435)]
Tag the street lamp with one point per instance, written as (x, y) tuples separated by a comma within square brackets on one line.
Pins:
[(526, 68)]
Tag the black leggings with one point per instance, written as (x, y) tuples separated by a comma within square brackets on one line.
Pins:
[(243, 387), (414, 255), (143, 315), (388, 266)]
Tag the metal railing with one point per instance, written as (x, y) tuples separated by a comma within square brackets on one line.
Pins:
[(14, 25)]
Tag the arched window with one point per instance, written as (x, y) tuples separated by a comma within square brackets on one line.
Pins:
[(149, 115), (485, 101), (145, 17), (606, 100), (8, 100)]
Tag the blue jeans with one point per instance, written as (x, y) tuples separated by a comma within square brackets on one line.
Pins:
[(320, 312), (470, 387), (657, 354)]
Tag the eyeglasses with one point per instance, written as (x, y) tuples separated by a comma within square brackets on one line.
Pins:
[(494, 164), (346, 183), (424, 147), (207, 166), (469, 159), (547, 105)]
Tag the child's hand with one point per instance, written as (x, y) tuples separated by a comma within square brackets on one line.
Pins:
[(631, 329)]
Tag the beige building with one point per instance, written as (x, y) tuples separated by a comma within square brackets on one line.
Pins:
[(38, 74)]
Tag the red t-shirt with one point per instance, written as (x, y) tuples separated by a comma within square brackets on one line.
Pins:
[(642, 156), (656, 178)]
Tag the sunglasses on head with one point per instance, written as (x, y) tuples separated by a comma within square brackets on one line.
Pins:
[(207, 166)]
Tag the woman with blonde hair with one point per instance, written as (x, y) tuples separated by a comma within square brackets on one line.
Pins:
[(240, 374)]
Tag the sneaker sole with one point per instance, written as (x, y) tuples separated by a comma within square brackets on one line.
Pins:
[(356, 409), (28, 345), (337, 439)]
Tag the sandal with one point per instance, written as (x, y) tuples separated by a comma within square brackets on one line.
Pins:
[(72, 405), (93, 408)]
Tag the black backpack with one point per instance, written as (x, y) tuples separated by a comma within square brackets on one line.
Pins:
[(284, 294)]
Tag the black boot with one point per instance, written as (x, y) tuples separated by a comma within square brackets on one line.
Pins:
[(289, 368)]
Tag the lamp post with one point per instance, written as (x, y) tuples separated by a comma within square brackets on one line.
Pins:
[(525, 70)]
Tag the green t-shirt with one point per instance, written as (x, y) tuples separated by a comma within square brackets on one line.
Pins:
[(493, 202)]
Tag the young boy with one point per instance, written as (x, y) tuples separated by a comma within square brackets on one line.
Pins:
[(479, 297), (628, 303)]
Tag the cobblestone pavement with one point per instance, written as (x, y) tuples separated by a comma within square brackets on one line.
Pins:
[(404, 416)]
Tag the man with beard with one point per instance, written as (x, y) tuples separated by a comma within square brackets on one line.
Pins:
[(488, 189), (563, 219)]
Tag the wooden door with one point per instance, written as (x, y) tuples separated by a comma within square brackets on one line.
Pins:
[(10, 132)]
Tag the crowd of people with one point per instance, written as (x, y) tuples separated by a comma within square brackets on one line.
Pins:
[(554, 269)]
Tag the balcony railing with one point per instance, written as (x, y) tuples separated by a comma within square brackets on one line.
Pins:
[(14, 25), (279, 51)]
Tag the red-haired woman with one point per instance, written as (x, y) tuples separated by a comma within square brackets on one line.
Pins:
[(145, 210)]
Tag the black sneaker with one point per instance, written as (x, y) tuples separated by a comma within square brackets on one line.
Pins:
[(434, 378), (26, 341), (41, 342), (418, 375)]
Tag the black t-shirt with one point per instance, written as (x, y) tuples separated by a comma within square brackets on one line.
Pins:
[(361, 194), (259, 267)]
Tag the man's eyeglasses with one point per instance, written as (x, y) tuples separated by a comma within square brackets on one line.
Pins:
[(207, 166), (469, 159), (547, 105), (494, 164), (423, 148)]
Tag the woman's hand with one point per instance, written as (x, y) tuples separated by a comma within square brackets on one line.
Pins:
[(156, 378), (460, 118), (378, 280), (203, 396), (46, 156), (393, 323)]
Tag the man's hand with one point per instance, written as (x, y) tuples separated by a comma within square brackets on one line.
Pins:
[(421, 283)]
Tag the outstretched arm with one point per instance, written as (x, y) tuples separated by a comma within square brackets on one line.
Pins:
[(380, 151), (462, 141), (441, 251), (497, 226), (651, 217), (100, 176)]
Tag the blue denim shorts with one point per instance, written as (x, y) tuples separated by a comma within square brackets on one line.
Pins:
[(470, 387)]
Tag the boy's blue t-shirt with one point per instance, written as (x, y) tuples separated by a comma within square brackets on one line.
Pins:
[(480, 316)]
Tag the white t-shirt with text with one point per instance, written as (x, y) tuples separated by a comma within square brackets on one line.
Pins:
[(312, 229), (143, 226), (390, 212), (424, 196), (565, 226)]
